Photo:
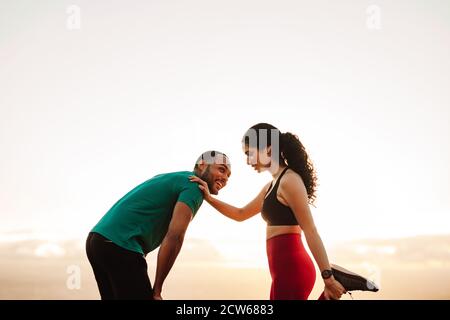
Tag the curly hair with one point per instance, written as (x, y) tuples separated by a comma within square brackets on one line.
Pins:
[(298, 160), (291, 153)]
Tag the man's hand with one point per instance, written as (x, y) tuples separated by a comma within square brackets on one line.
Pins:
[(157, 295)]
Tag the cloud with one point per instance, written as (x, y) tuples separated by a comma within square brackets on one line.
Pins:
[(412, 250), (49, 250)]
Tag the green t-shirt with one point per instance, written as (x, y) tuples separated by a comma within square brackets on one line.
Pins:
[(139, 221)]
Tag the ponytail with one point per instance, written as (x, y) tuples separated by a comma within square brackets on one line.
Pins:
[(296, 157)]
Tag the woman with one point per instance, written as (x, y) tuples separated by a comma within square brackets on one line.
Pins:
[(284, 204)]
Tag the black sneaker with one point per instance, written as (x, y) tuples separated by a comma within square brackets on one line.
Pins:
[(352, 281)]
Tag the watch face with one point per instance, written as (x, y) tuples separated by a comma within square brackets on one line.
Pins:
[(326, 274)]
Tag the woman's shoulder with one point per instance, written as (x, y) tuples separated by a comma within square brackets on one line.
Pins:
[(291, 179), (266, 187)]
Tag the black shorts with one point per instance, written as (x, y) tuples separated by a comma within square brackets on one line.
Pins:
[(120, 273)]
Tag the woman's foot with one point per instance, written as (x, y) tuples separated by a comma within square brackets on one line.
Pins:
[(352, 281)]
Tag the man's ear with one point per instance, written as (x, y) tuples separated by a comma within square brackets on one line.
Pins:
[(269, 151), (202, 165)]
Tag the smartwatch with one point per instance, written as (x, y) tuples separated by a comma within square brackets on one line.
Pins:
[(326, 274)]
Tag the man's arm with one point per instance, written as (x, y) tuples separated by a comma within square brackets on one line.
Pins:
[(171, 245)]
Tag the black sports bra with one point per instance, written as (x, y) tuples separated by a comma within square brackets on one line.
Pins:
[(273, 211)]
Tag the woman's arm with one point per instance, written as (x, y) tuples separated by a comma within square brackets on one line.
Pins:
[(238, 214), (294, 192)]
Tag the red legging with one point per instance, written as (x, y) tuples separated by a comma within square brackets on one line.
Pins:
[(292, 270)]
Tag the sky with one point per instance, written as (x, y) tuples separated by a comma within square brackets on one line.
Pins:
[(89, 110)]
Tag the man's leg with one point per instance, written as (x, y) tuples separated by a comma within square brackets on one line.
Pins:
[(130, 278), (121, 273), (101, 276)]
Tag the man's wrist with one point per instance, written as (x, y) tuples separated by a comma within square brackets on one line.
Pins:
[(157, 289)]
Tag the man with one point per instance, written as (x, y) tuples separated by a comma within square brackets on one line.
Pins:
[(155, 213)]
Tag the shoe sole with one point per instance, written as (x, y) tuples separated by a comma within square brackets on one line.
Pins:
[(370, 285)]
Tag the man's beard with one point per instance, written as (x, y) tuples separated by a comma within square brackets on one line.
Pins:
[(206, 177)]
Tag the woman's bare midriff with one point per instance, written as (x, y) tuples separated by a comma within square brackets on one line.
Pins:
[(273, 231)]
